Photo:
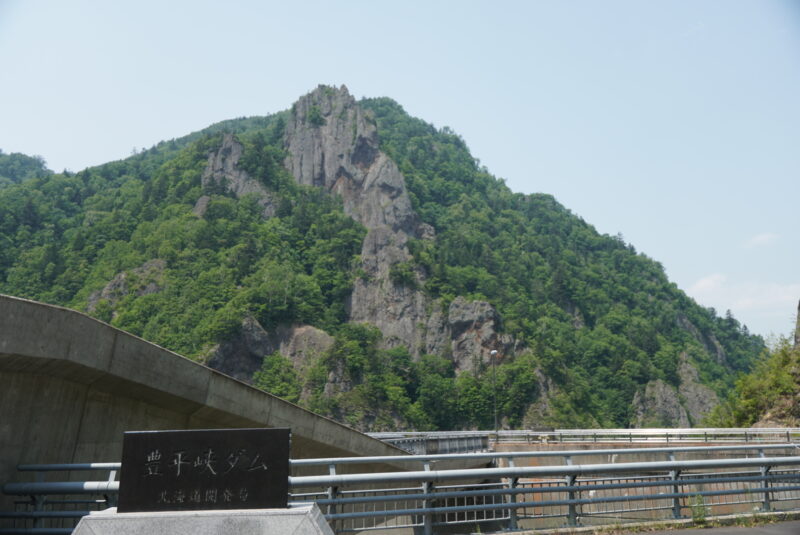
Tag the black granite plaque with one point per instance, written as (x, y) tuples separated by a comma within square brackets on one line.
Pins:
[(204, 469)]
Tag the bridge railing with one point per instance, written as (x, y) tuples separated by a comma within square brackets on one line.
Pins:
[(566, 456), (527, 497), (496, 498), (421, 443)]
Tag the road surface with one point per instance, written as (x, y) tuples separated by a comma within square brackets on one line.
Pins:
[(778, 528)]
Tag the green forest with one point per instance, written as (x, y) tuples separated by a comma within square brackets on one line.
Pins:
[(769, 395), (597, 318)]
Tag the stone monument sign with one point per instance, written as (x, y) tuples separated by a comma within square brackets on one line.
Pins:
[(204, 470)]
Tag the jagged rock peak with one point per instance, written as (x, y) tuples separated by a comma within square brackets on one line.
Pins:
[(333, 144)]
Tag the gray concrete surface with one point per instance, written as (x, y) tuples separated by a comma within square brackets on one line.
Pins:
[(70, 385), (779, 528), (297, 521)]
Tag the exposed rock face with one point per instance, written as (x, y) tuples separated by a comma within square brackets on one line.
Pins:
[(662, 405), (471, 329), (398, 310), (538, 413), (222, 172), (333, 144), (659, 406), (243, 355), (147, 279), (339, 151), (710, 342), (698, 399)]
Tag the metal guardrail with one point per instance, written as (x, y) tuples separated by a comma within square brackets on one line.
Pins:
[(498, 498), (509, 498), (433, 443), (670, 453), (420, 443)]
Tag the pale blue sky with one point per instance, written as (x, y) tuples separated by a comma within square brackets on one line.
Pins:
[(675, 123)]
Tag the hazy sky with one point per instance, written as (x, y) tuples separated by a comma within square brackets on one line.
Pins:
[(674, 123)]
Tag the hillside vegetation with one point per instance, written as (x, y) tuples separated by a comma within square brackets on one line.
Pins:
[(769, 396), (152, 247), (16, 167)]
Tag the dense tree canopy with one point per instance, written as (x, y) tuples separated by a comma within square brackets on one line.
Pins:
[(16, 167)]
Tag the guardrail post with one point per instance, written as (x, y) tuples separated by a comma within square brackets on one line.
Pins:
[(512, 497), (512, 513), (427, 518), (111, 499), (332, 494), (572, 515), (676, 500), (38, 503), (38, 500), (767, 504)]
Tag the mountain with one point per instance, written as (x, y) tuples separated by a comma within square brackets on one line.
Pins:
[(360, 262)]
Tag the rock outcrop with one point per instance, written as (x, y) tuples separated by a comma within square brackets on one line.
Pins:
[(242, 356), (143, 280), (659, 406), (662, 405), (333, 144), (468, 332), (222, 173), (709, 341), (698, 399)]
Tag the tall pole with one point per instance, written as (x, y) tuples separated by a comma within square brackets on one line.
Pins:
[(493, 356)]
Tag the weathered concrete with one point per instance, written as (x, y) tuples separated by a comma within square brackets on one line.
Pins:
[(623, 456), (71, 385), (306, 520)]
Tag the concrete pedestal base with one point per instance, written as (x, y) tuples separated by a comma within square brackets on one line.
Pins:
[(306, 520)]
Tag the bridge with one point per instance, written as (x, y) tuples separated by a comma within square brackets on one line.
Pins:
[(690, 484), (71, 385), (431, 442)]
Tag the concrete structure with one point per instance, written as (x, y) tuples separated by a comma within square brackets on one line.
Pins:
[(70, 385), (306, 520)]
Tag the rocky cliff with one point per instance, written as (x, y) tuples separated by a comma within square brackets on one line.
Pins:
[(241, 356), (662, 405), (223, 173), (333, 144), (467, 332)]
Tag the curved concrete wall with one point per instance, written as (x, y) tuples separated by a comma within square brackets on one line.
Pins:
[(70, 385)]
